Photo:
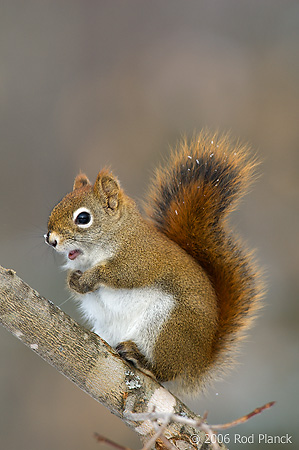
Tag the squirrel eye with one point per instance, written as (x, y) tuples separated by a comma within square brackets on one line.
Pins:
[(82, 218)]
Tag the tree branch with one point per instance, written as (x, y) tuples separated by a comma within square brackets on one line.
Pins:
[(88, 361)]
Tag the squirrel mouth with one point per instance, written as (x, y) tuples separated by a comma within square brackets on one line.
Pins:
[(73, 254)]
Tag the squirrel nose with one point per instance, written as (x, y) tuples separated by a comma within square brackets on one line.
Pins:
[(50, 241)]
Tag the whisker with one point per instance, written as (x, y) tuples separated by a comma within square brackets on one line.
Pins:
[(65, 301)]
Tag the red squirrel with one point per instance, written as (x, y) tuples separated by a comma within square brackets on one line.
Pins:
[(172, 291)]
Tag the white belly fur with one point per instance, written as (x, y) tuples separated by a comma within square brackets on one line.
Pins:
[(118, 315)]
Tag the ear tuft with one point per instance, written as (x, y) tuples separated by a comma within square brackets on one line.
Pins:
[(107, 189), (81, 180)]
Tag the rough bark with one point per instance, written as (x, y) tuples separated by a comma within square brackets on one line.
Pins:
[(88, 361)]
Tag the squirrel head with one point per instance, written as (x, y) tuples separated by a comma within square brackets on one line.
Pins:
[(83, 225)]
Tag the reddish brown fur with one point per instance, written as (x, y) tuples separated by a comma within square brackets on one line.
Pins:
[(195, 217)]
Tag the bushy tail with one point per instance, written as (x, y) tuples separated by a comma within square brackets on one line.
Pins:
[(189, 201)]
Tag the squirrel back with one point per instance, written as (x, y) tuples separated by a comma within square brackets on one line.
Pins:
[(189, 201)]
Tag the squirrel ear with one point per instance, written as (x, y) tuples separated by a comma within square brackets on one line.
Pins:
[(81, 180), (107, 189)]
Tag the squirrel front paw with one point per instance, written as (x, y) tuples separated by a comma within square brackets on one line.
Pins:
[(77, 282)]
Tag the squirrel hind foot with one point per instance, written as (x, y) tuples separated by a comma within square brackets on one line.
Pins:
[(129, 351)]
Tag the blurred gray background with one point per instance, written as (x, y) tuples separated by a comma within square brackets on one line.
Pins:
[(84, 84)]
